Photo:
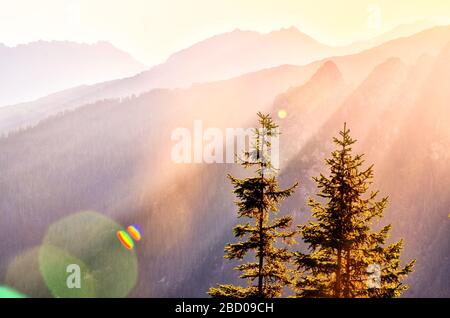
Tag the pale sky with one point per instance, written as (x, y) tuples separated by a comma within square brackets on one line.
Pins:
[(152, 30)]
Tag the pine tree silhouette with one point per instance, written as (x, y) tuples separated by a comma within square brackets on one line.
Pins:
[(258, 200), (346, 258)]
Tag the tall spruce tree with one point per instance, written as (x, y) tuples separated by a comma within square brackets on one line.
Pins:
[(261, 239), (346, 257)]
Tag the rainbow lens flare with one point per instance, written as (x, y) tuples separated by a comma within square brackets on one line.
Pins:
[(112, 273), (125, 239), (135, 232)]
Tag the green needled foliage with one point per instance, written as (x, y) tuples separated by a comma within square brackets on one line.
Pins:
[(346, 257), (262, 237)]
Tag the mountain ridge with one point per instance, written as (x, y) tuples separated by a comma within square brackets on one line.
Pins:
[(353, 66), (36, 69)]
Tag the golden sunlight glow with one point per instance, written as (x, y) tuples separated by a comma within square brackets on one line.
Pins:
[(151, 30), (282, 114)]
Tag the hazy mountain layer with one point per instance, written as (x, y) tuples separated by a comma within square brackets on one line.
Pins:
[(229, 55), (33, 70)]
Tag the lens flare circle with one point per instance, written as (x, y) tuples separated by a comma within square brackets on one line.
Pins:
[(87, 239), (282, 114)]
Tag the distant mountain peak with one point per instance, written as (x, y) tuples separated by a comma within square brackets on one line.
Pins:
[(392, 69), (291, 29), (39, 68), (236, 31), (327, 78), (234, 53), (293, 32), (328, 72)]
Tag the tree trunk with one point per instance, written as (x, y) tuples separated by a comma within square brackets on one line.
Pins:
[(261, 233), (347, 274), (337, 287), (261, 258)]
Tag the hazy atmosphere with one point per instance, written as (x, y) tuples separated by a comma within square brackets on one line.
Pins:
[(113, 148)]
